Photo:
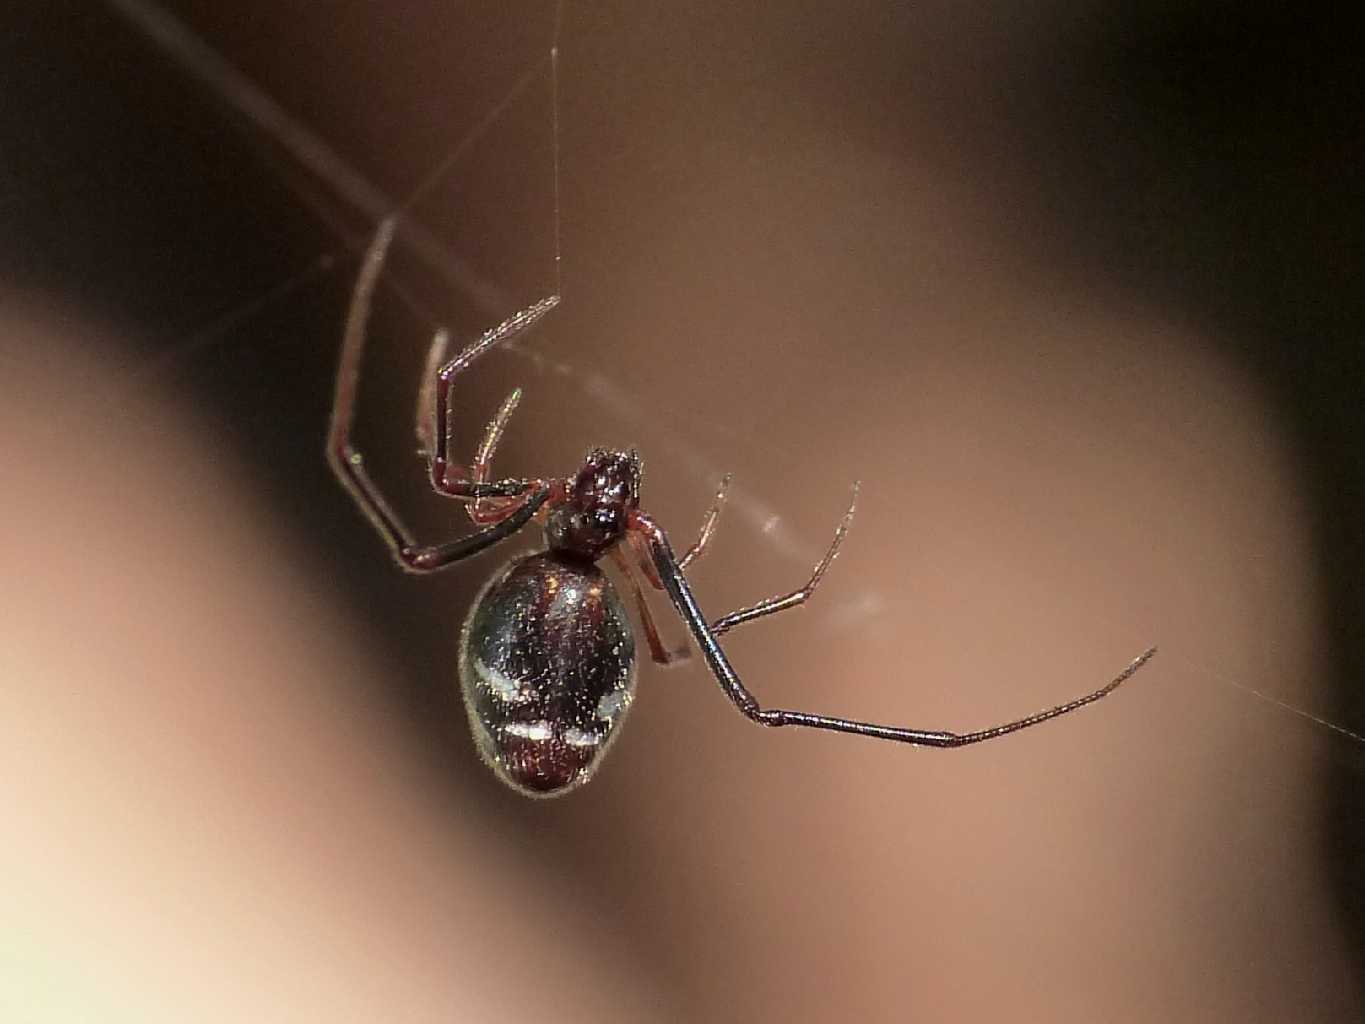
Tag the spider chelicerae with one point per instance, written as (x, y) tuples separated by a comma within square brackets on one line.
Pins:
[(547, 654)]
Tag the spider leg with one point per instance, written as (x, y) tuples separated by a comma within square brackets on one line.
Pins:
[(349, 467), (489, 510), (681, 594), (481, 510), (348, 464), (661, 654), (348, 373), (770, 606), (801, 594), (708, 527), (471, 485), (434, 557), (708, 524), (425, 416)]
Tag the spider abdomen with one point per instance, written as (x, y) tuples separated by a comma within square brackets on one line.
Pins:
[(547, 669)]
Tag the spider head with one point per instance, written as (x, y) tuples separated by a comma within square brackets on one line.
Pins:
[(596, 504)]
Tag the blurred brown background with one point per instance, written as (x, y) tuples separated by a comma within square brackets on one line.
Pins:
[(1072, 290)]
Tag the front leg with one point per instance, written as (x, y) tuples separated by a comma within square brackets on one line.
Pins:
[(348, 464), (465, 482)]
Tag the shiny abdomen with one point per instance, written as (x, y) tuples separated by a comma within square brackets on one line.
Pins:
[(547, 668)]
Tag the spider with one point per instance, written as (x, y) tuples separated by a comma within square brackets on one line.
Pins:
[(547, 654)]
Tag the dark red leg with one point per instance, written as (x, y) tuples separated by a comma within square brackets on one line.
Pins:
[(661, 654), (443, 476), (348, 464), (708, 527), (770, 606), (708, 524), (801, 594), (481, 510), (436, 439)]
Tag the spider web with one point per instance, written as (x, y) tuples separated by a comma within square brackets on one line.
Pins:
[(474, 268)]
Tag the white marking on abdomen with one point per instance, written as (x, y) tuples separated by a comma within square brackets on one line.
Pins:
[(504, 687), (576, 737), (537, 731)]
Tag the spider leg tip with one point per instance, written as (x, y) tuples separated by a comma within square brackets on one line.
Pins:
[(1139, 661), (853, 501)]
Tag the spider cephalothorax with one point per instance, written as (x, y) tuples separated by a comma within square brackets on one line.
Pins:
[(597, 504)]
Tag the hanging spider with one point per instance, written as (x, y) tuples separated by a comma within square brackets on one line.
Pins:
[(547, 655)]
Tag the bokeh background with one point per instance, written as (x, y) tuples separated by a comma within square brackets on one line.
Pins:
[(1073, 288)]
